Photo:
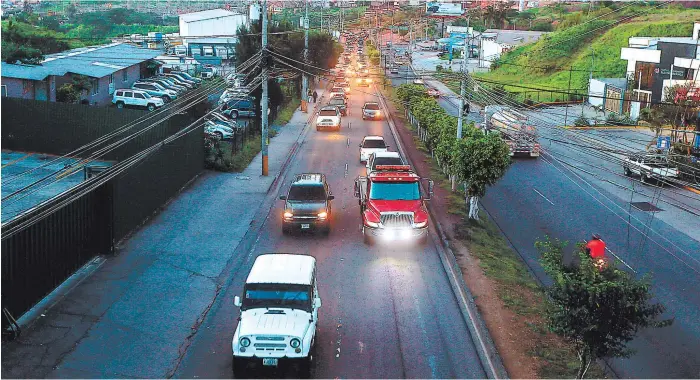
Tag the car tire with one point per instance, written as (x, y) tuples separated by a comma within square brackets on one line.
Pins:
[(120, 104), (628, 172), (423, 240), (234, 114), (644, 178), (151, 107), (239, 367), (166, 99), (326, 230), (366, 238)]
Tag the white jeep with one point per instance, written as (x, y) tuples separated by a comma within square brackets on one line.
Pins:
[(279, 314)]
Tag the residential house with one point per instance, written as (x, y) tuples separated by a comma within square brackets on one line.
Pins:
[(656, 63), (108, 67)]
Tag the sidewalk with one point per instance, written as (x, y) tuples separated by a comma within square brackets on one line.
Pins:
[(148, 299)]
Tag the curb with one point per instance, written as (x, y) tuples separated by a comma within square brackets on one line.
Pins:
[(481, 338)]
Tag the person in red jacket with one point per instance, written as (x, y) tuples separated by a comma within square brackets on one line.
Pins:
[(596, 247)]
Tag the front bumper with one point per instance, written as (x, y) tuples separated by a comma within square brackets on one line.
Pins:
[(396, 234), (305, 224), (373, 116)]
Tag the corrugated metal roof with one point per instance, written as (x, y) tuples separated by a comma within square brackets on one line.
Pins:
[(96, 62), (206, 15), (24, 71)]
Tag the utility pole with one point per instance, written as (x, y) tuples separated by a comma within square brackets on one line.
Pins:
[(462, 94), (264, 106), (305, 77)]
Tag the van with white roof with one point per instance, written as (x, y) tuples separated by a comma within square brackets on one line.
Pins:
[(279, 314)]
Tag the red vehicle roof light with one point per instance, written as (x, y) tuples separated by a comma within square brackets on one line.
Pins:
[(401, 168)]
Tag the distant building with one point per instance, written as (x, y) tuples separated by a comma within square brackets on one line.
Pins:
[(214, 22), (657, 63), (495, 42), (109, 67), (608, 94)]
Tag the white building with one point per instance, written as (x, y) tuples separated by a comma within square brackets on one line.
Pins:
[(214, 22), (495, 42)]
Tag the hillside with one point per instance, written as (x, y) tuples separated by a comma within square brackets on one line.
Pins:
[(546, 63)]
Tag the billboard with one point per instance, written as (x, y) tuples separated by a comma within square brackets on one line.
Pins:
[(438, 8)]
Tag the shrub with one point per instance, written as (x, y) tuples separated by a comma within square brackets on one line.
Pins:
[(582, 121)]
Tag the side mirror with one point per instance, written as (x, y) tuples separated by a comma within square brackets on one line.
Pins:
[(283, 197), (431, 185), (237, 301), (360, 145), (331, 197), (317, 302), (357, 189)]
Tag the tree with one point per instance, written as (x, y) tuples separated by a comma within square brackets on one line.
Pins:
[(71, 11), (598, 312), (481, 160), (70, 92)]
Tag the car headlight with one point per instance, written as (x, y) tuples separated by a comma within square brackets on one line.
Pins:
[(420, 224), (295, 343), (288, 214), (322, 215), (245, 342)]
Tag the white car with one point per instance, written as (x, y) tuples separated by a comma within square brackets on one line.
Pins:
[(136, 98), (279, 314), (338, 91), (418, 81), (329, 117), (371, 144), (377, 159), (649, 167), (433, 92), (219, 130)]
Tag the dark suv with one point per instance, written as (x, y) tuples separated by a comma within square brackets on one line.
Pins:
[(307, 205)]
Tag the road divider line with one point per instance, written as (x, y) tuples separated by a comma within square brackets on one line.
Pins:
[(483, 343), (545, 198)]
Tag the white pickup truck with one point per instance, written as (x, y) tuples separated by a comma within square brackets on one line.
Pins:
[(649, 167)]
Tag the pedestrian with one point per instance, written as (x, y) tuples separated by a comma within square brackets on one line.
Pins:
[(308, 96), (315, 95)]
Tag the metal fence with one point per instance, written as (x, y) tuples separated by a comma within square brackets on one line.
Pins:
[(38, 256)]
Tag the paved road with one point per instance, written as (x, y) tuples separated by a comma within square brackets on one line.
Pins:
[(387, 313), (543, 197)]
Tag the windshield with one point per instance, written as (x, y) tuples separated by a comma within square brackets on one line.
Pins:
[(373, 144), (185, 75), (372, 106), (394, 191), (387, 161), (277, 295), (327, 113), (307, 193)]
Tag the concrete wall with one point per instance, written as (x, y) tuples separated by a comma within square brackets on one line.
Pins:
[(15, 88), (490, 50), (596, 92)]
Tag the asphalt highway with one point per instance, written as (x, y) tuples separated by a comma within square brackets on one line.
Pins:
[(543, 197), (387, 312)]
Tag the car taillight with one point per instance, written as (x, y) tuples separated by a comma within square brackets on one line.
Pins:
[(537, 147)]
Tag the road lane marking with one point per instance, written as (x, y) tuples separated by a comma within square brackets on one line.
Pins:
[(618, 257), (17, 160), (545, 198)]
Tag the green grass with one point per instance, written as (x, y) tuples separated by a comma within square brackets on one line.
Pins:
[(546, 63), (240, 161), (287, 111)]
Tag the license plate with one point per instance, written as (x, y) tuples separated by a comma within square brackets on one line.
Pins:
[(270, 361), (305, 226)]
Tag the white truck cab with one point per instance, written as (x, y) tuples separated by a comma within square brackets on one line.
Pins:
[(279, 314)]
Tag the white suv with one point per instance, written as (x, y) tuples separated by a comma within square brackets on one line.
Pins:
[(279, 314), (328, 117), (136, 98)]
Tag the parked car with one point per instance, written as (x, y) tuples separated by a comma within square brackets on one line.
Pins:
[(221, 131), (154, 89), (649, 167), (176, 80), (237, 107), (419, 81), (163, 83), (221, 118), (136, 98), (184, 75), (191, 84), (339, 102), (329, 117)]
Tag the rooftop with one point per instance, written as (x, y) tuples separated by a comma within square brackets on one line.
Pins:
[(16, 163), (206, 15), (282, 268), (94, 61)]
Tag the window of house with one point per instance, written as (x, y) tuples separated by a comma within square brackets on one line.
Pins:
[(125, 75), (3, 90), (95, 86)]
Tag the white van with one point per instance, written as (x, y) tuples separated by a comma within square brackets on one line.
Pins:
[(279, 313)]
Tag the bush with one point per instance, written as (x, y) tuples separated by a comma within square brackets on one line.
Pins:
[(582, 121), (612, 118), (439, 68), (543, 27)]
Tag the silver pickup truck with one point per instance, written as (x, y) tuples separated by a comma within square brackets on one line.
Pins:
[(649, 167)]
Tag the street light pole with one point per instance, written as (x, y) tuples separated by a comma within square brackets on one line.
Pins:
[(264, 105), (462, 94), (305, 77)]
